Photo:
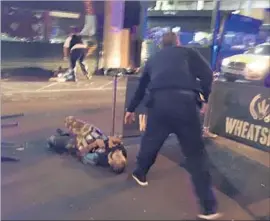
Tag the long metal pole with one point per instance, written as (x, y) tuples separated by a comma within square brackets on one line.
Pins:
[(11, 116), (114, 104), (215, 26), (249, 7)]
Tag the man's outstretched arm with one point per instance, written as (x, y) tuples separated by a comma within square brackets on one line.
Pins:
[(202, 70), (140, 91)]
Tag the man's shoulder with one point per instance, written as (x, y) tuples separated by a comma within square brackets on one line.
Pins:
[(172, 51), (175, 48), (69, 38), (190, 51)]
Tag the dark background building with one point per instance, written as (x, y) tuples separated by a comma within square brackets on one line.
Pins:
[(132, 12)]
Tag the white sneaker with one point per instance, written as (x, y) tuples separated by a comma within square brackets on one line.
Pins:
[(208, 134), (141, 180), (213, 216), (67, 78)]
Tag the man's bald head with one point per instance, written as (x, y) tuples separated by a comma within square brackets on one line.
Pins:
[(170, 39)]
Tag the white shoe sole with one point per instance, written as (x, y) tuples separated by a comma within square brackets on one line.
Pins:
[(61, 80), (211, 216), (209, 135), (139, 182)]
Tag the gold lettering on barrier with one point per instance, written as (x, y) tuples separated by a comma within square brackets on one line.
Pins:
[(142, 122), (230, 125), (244, 129), (267, 119), (238, 128), (257, 132), (250, 133), (263, 138), (259, 109)]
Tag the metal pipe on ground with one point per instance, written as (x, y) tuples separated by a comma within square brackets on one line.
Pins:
[(12, 116), (8, 125), (9, 159), (10, 144)]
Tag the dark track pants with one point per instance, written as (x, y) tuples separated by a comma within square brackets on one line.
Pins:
[(176, 112), (78, 55)]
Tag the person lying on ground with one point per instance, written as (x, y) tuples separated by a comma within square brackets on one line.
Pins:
[(90, 145)]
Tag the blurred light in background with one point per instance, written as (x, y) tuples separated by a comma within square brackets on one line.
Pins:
[(60, 14), (200, 4)]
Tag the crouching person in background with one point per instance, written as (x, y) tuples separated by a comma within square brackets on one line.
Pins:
[(77, 52)]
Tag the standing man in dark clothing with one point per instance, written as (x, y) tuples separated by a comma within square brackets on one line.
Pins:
[(170, 76)]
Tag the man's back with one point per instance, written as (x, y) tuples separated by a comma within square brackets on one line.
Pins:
[(169, 68), (174, 68), (178, 68)]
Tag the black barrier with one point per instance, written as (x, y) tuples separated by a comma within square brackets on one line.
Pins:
[(205, 52), (241, 112), (238, 111), (132, 130)]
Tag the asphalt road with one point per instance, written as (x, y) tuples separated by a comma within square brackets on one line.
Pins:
[(44, 186)]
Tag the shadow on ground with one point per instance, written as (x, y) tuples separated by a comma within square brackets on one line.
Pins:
[(241, 179), (45, 186), (26, 74)]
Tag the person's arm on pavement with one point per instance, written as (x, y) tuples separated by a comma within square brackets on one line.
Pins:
[(140, 91), (202, 70)]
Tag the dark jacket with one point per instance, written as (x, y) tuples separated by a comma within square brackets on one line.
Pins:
[(75, 39), (174, 68)]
